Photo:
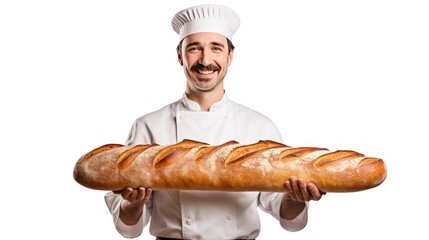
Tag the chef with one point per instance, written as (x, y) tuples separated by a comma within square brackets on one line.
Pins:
[(206, 114)]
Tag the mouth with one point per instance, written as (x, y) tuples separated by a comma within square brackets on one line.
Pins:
[(204, 75), (205, 71)]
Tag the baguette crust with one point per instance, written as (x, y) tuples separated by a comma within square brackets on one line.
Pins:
[(192, 165)]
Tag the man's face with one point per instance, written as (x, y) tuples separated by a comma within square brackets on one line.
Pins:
[(205, 60)]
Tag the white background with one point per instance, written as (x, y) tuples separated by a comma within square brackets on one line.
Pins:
[(335, 74)]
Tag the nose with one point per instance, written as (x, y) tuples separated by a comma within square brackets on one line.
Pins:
[(205, 58)]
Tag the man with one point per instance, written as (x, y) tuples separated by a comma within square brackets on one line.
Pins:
[(206, 114)]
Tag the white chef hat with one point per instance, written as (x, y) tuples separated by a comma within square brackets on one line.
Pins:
[(206, 18)]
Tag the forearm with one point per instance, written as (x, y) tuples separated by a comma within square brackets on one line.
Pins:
[(130, 214), (114, 202), (272, 203), (290, 209)]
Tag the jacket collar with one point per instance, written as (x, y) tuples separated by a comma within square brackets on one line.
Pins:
[(190, 105)]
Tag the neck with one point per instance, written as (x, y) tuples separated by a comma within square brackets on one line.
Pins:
[(205, 99)]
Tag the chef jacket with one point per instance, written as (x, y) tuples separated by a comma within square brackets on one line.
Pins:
[(204, 214)]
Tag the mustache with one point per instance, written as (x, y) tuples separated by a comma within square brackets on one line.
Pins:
[(209, 67)]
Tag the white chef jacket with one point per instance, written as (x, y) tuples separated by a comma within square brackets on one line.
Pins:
[(203, 214)]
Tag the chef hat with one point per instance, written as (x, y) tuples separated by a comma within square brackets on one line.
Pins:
[(206, 18)]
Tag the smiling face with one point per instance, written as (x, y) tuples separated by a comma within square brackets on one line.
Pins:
[(205, 60)]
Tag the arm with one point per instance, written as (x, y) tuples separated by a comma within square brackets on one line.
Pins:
[(291, 207), (123, 211), (132, 205), (298, 193)]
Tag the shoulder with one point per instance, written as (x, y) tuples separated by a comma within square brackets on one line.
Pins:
[(165, 112), (242, 111), (154, 127), (253, 125)]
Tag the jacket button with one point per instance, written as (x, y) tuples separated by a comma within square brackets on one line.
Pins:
[(229, 217), (188, 221)]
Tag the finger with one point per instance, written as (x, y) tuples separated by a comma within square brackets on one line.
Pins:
[(296, 189), (147, 195), (119, 191), (141, 194), (127, 193), (135, 195), (289, 190), (314, 191), (302, 184)]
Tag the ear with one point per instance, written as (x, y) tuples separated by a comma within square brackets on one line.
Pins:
[(230, 57), (179, 58)]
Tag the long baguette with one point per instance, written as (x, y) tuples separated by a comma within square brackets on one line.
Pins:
[(192, 165)]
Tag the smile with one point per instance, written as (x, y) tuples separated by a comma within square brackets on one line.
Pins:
[(205, 72)]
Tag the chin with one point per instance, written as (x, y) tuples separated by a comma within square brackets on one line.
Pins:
[(208, 87), (205, 89)]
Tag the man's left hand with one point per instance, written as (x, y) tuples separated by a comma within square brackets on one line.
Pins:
[(299, 190)]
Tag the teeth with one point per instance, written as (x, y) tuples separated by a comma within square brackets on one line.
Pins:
[(205, 72)]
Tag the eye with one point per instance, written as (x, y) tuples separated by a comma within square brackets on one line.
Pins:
[(193, 49)]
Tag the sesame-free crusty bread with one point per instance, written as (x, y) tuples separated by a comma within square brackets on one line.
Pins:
[(192, 165)]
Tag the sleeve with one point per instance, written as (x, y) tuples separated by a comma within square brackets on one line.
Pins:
[(271, 202), (139, 134), (113, 201)]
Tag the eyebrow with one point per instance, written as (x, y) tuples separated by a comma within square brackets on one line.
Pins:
[(211, 43)]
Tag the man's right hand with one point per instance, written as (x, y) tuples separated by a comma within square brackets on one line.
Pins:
[(132, 206), (135, 197)]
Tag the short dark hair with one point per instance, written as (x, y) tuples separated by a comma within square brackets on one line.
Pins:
[(230, 46)]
